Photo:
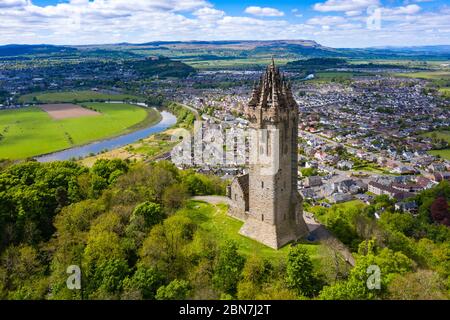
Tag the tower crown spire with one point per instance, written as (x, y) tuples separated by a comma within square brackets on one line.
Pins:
[(270, 97)]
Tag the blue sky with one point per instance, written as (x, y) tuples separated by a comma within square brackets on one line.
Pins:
[(335, 23)]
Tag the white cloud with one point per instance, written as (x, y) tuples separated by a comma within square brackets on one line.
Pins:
[(209, 13), (266, 12), (13, 3), (326, 20), (409, 9), (344, 5), (110, 21), (353, 13)]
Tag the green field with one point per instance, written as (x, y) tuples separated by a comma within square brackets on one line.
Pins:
[(427, 75), (74, 96), (439, 134), (332, 76), (445, 92), (445, 153), (30, 131), (214, 220)]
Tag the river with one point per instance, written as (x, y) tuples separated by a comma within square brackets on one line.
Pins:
[(167, 121)]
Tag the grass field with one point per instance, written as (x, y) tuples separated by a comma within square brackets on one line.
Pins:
[(445, 92), (439, 134), (234, 63), (74, 96), (327, 76), (428, 75), (445, 153), (30, 131), (215, 221)]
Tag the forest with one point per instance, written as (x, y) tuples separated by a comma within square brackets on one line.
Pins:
[(121, 223)]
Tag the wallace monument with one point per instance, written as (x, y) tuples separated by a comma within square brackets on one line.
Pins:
[(267, 198)]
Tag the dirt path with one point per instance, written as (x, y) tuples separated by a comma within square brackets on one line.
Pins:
[(213, 199)]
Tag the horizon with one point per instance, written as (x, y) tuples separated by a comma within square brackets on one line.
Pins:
[(212, 41), (331, 23)]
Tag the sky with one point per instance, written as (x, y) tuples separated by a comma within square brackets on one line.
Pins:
[(333, 23)]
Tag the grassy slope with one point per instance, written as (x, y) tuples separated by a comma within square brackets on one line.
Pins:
[(71, 96), (30, 131), (214, 220)]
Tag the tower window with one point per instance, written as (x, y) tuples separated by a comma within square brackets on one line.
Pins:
[(235, 196), (262, 184), (262, 217)]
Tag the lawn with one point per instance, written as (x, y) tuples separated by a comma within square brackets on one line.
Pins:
[(30, 131), (74, 96), (214, 220)]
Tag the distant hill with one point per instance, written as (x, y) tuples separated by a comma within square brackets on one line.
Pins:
[(189, 51), (19, 50)]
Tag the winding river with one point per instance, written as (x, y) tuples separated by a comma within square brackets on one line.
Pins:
[(167, 121)]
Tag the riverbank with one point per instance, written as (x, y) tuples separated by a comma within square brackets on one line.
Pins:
[(31, 132), (94, 148), (155, 146)]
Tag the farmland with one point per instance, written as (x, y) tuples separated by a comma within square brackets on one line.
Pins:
[(74, 96), (30, 131)]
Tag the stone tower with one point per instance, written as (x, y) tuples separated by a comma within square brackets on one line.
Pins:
[(275, 215)]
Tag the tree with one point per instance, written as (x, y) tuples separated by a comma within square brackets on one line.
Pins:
[(174, 197), (146, 281), (300, 274), (439, 211), (420, 285), (355, 287), (176, 290), (308, 172), (255, 273), (151, 211), (163, 248), (109, 170), (228, 268)]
